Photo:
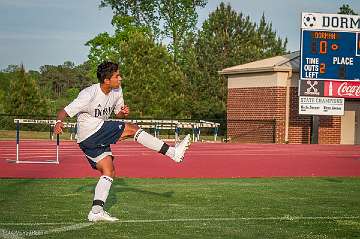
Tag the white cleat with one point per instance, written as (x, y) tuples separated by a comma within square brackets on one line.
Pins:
[(101, 216), (181, 148)]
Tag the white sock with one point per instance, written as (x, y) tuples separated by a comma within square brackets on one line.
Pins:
[(153, 143), (170, 152), (101, 193)]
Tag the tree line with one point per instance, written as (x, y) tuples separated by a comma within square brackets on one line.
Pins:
[(176, 80)]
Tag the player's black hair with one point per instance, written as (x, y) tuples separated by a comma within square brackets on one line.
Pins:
[(105, 70)]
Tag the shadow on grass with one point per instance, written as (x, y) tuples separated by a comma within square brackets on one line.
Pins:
[(333, 180), (120, 186)]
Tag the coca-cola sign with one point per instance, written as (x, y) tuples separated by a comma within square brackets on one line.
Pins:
[(343, 89)]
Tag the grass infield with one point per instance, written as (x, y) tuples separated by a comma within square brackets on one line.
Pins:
[(183, 208)]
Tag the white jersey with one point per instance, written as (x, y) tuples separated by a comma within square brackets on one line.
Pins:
[(93, 107)]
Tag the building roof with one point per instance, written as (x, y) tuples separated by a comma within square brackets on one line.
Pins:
[(288, 62)]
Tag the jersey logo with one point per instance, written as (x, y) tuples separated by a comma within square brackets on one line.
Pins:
[(99, 105), (103, 112)]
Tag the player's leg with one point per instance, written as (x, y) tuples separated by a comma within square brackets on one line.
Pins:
[(98, 152), (107, 169), (141, 136)]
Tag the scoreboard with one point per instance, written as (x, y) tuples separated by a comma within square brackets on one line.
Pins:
[(330, 47), (330, 55)]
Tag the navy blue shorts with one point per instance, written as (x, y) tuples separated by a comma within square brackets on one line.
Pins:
[(97, 146)]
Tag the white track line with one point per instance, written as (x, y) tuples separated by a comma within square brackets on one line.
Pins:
[(284, 218), (10, 234), (35, 223), (57, 230), (7, 234), (21, 235)]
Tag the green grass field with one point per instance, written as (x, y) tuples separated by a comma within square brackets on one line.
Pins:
[(183, 208)]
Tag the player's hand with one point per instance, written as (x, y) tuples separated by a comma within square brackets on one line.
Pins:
[(125, 110), (58, 128)]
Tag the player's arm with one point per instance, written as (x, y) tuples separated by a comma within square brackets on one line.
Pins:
[(121, 110), (76, 106), (124, 112), (61, 115)]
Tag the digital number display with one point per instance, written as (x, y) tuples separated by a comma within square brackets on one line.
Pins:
[(330, 55)]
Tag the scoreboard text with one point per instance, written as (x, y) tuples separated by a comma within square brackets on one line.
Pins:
[(329, 54)]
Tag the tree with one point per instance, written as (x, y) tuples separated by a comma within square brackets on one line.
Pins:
[(10, 68), (55, 80), (227, 38), (222, 41), (2, 101), (153, 84), (5, 79), (105, 47), (142, 12), (178, 17), (266, 43), (347, 10), (84, 76), (24, 96)]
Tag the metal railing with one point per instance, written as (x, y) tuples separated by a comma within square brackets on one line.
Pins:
[(220, 130), (42, 127)]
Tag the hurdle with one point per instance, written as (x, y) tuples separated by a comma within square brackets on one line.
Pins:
[(175, 125), (157, 125), (32, 121)]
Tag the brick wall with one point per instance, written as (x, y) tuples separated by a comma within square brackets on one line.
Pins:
[(330, 130), (299, 125), (252, 131), (259, 109), (254, 114)]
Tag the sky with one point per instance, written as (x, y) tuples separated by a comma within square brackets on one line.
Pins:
[(50, 32)]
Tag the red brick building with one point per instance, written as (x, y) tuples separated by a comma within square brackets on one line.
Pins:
[(262, 106)]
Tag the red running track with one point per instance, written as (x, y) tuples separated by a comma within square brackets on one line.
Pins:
[(203, 160)]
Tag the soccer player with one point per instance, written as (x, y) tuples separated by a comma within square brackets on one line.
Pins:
[(93, 107)]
